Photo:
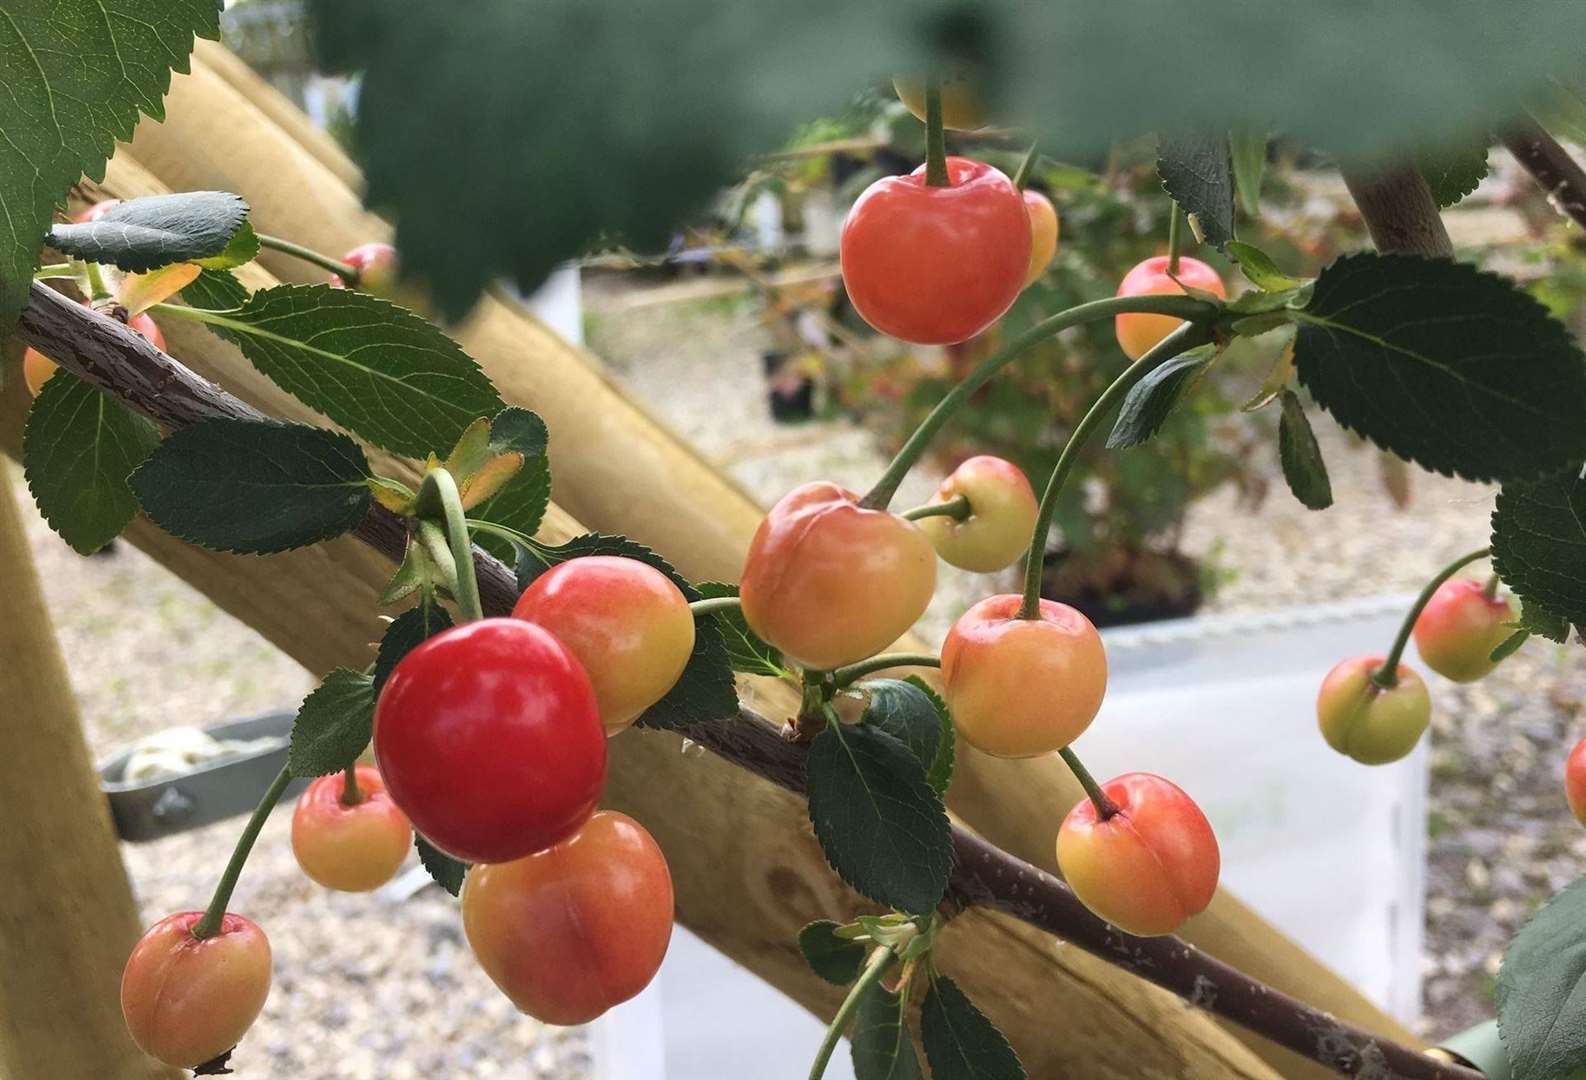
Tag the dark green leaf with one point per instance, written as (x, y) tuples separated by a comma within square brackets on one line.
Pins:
[(254, 486), (881, 826), (333, 724), (521, 504), (377, 369), (215, 290), (961, 1042), (447, 871), (1198, 172), (1248, 146), (1542, 991), (1258, 266), (1445, 365), (695, 106), (1301, 457), (835, 959), (78, 449), (940, 772), (407, 632), (76, 74), (1509, 646), (157, 230), (1536, 619), (1539, 546), (745, 650), (519, 430), (1454, 171), (1154, 397), (881, 1044), (907, 712)]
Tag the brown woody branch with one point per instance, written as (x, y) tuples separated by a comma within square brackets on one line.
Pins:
[(1549, 164), (120, 361), (1400, 213)]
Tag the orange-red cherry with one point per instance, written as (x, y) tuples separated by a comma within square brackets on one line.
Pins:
[(829, 582), (353, 847), (1139, 333), (1022, 687), (1575, 781), (1460, 626), (1043, 233)]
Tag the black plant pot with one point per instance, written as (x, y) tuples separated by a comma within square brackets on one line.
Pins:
[(1171, 590)]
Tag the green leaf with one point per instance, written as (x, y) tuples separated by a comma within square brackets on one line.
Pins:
[(78, 449), (215, 290), (961, 1042), (940, 771), (1301, 457), (1198, 172), (333, 724), (745, 651), (521, 504), (1445, 365), (254, 486), (407, 632), (1538, 620), (76, 74), (1153, 398), (243, 248), (905, 711), (1358, 79), (1276, 381), (1248, 146), (1539, 547), (1509, 646), (1542, 991), (377, 369), (1258, 266), (157, 230), (1454, 171), (881, 826), (447, 871), (706, 690), (835, 959), (880, 1042)]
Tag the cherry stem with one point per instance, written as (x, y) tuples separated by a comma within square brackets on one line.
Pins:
[(97, 289), (875, 968), (1183, 307), (956, 508), (845, 676), (439, 492), (209, 925), (1387, 676), (714, 604), (1490, 590), (350, 795), (1173, 240), (1105, 807), (348, 274), (1027, 166), (1185, 337), (52, 271), (935, 137)]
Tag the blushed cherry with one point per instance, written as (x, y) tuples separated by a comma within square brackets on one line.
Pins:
[(1460, 626), (1043, 233), (1002, 515), (1575, 781), (1369, 722), (1138, 333), (350, 846)]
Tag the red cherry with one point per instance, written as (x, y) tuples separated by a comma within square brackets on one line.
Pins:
[(936, 265), (1365, 721), (187, 1001), (1575, 781), (1022, 687), (578, 928), (830, 583), (1147, 868), (627, 623), (1459, 627), (354, 847), (1137, 333), (488, 738), (378, 269), (97, 211)]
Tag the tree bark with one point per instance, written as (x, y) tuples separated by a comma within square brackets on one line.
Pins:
[(1399, 210)]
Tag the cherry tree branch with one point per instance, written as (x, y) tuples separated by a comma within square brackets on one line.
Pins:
[(1400, 213), (121, 362), (1549, 164)]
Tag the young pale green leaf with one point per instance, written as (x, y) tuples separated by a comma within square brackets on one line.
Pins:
[(745, 651), (1542, 991), (1258, 266), (1455, 170), (447, 871), (76, 74), (1247, 143), (254, 486), (333, 724), (833, 958), (407, 632), (1301, 456), (1539, 547), (1509, 646), (961, 1042), (215, 290), (1153, 398), (1277, 380), (158, 230), (1198, 172), (881, 826), (906, 711), (521, 504), (1456, 369), (78, 448), (377, 369), (881, 1045)]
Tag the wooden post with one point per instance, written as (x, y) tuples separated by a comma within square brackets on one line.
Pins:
[(67, 920)]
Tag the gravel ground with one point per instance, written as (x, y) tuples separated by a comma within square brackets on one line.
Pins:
[(148, 652)]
